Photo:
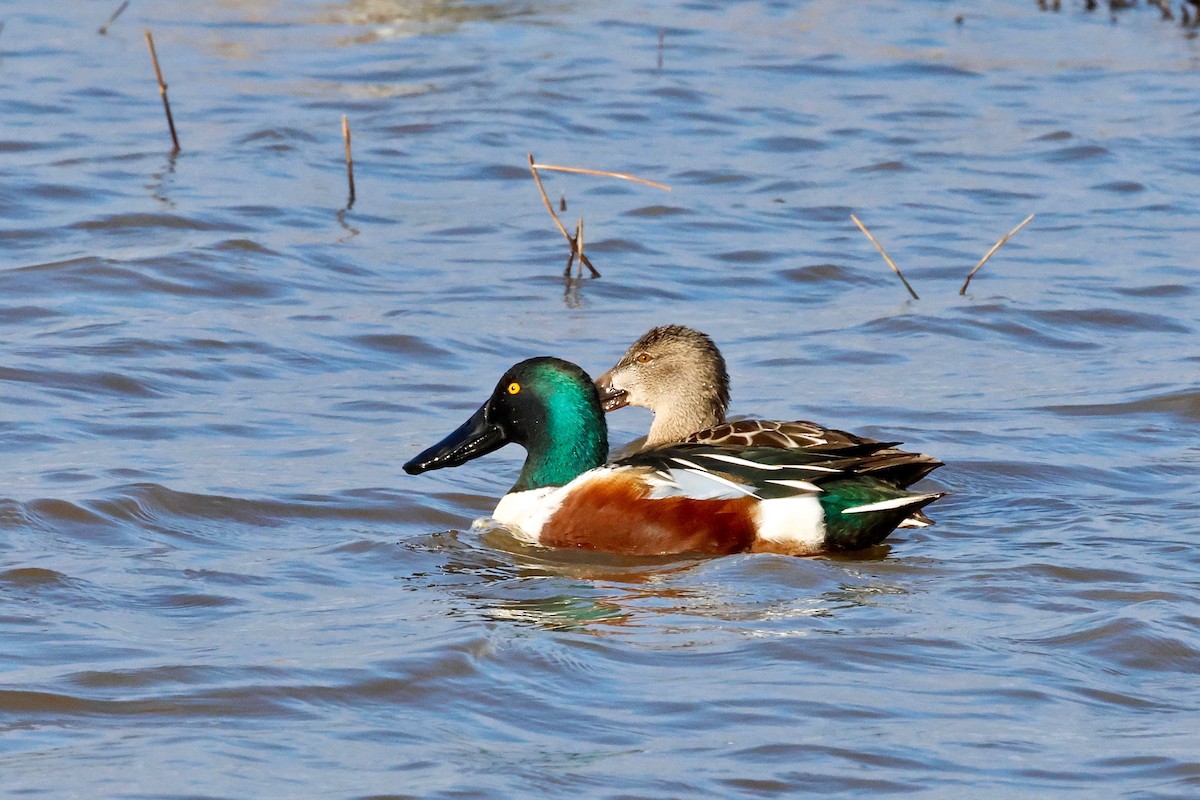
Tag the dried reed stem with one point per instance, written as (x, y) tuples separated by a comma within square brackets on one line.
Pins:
[(995, 247), (120, 10), (162, 89), (886, 257), (349, 159), (578, 249), (602, 173), (534, 167)]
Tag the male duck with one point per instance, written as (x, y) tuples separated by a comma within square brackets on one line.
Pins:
[(683, 498), (679, 374)]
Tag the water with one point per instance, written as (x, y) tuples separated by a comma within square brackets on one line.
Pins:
[(217, 582)]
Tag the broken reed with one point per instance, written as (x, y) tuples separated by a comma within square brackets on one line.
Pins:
[(967, 282), (162, 89), (576, 241), (576, 249), (120, 10), (989, 254), (886, 257), (579, 247)]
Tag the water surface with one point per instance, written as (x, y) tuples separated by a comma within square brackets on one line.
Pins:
[(216, 581)]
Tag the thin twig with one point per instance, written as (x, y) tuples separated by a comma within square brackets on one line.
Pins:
[(349, 159), (602, 173), (995, 247), (162, 89), (576, 249), (662, 35), (534, 167), (579, 243), (886, 257), (537, 178), (113, 18)]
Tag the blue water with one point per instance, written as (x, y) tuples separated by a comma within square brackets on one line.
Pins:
[(215, 580)]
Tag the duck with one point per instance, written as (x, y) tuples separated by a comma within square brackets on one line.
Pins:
[(680, 375), (680, 498)]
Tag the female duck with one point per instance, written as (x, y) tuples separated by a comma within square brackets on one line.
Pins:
[(684, 498), (679, 374)]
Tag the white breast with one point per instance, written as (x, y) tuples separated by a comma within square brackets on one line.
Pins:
[(525, 513)]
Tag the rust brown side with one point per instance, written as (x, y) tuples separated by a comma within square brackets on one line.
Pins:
[(614, 515)]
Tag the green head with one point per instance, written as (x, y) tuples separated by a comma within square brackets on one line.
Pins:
[(548, 406)]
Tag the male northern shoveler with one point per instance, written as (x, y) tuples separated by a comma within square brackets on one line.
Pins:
[(679, 374), (682, 498)]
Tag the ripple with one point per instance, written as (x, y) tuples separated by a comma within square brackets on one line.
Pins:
[(787, 144), (400, 344), (123, 223), (820, 274), (1082, 152), (1184, 404), (32, 578), (885, 166)]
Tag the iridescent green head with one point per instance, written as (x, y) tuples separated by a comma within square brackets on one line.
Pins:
[(548, 406)]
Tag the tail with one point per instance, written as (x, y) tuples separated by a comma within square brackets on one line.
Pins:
[(918, 519), (911, 504), (853, 527)]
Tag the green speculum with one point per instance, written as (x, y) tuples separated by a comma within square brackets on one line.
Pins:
[(856, 531)]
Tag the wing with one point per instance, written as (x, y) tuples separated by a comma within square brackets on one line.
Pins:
[(882, 460), (703, 471), (797, 434)]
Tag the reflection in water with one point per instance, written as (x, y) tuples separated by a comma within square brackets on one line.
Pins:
[(571, 292), (351, 231), (159, 180), (559, 612), (394, 18), (755, 595)]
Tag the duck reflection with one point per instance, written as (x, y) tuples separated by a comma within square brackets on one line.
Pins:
[(504, 579)]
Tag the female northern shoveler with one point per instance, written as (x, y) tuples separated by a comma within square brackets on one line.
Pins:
[(684, 498), (679, 374)]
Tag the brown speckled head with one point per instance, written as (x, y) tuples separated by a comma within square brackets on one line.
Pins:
[(677, 373)]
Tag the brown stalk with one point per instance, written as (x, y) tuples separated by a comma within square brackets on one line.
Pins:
[(575, 249), (120, 9), (886, 257), (625, 176), (995, 247), (578, 246), (349, 159), (162, 90)]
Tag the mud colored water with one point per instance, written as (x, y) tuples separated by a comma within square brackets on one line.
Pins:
[(215, 580)]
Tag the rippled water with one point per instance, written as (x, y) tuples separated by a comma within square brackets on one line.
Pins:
[(217, 582)]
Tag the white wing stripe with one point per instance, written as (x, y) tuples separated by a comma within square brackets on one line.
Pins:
[(745, 463), (735, 460), (884, 505)]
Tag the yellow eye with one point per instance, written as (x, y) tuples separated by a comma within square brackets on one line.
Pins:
[(514, 387), (643, 358)]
